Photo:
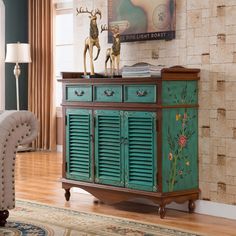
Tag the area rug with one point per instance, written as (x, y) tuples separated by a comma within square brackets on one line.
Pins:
[(34, 219)]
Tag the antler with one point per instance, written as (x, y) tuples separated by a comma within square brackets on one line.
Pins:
[(92, 13), (81, 10), (104, 28), (98, 12)]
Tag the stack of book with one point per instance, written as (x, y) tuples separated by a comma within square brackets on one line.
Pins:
[(141, 70)]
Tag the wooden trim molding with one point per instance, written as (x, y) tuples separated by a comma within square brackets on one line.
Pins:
[(209, 208)]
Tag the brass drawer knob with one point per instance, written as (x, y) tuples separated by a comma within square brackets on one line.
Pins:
[(109, 93), (141, 93), (79, 93)]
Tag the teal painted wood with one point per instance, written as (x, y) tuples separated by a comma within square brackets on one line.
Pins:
[(140, 150), (78, 144), (179, 92), (109, 156), (140, 93), (108, 93), (179, 149), (80, 93)]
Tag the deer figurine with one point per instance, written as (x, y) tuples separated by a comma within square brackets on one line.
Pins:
[(113, 53), (93, 39)]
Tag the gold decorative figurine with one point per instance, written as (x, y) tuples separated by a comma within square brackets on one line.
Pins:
[(93, 39), (113, 53)]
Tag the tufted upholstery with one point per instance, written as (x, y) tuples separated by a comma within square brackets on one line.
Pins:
[(16, 128)]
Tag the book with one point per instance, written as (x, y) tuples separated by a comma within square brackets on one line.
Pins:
[(141, 70)]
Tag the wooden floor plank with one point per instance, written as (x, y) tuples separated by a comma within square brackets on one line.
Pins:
[(38, 178)]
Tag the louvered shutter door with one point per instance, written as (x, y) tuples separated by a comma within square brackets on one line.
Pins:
[(78, 144), (108, 150), (140, 150)]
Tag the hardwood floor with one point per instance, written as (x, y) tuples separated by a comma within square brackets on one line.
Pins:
[(38, 179)]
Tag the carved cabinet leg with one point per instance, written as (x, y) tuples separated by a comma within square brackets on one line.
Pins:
[(162, 211), (67, 194), (3, 217), (191, 206)]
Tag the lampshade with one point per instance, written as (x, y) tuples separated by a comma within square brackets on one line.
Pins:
[(18, 53)]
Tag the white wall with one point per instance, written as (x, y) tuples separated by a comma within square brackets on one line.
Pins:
[(2, 55)]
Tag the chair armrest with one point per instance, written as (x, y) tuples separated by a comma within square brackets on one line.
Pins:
[(16, 127)]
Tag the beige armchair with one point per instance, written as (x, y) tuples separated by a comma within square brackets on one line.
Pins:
[(16, 128)]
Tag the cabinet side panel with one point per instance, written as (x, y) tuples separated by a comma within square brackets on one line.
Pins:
[(179, 149), (179, 92)]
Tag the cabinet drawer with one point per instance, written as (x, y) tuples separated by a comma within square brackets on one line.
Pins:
[(107, 93), (140, 93), (81, 93)]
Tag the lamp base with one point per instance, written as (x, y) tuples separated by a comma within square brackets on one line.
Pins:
[(17, 74)]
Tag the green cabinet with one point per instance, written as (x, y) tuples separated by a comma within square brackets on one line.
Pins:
[(132, 138), (140, 150), (179, 149), (140, 93), (78, 144), (179, 92), (125, 149), (108, 93), (109, 155), (81, 93)]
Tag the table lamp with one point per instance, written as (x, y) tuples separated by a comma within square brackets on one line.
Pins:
[(18, 53)]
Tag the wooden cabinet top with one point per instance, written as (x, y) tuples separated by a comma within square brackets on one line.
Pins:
[(176, 73)]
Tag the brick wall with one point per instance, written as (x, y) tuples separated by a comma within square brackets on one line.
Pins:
[(205, 39)]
